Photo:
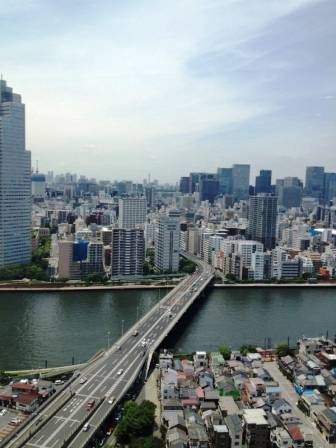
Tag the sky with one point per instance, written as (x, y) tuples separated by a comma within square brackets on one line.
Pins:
[(119, 89)]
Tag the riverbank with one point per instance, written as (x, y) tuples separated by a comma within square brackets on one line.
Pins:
[(274, 285), (137, 286), (82, 288)]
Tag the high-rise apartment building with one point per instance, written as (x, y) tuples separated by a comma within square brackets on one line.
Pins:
[(314, 181), (128, 251), (240, 181), (167, 242), (132, 212), (15, 181), (262, 219)]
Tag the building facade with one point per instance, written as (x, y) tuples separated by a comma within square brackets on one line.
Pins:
[(167, 242), (132, 212), (128, 252), (262, 219), (15, 181)]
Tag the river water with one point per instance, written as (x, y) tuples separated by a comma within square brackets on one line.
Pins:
[(35, 327)]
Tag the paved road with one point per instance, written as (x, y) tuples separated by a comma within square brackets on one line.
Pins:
[(289, 394), (114, 373)]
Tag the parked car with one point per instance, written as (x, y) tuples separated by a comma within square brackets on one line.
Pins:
[(120, 371)]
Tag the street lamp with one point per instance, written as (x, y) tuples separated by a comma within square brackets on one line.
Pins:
[(122, 328), (108, 340)]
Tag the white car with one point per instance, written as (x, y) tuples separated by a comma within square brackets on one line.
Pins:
[(86, 427), (120, 371), (83, 380), (111, 400)]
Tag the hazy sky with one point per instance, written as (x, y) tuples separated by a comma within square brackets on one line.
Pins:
[(117, 89)]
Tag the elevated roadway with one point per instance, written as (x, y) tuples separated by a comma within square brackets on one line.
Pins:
[(93, 395)]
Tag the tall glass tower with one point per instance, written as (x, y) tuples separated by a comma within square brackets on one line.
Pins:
[(15, 181)]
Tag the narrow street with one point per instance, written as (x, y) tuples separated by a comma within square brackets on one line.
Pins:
[(289, 394)]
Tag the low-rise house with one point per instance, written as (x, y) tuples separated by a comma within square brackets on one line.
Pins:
[(200, 360), (254, 359), (256, 428), (197, 436), (280, 438), (205, 378), (234, 425), (220, 437), (176, 438), (296, 436), (280, 407), (273, 393), (228, 406), (326, 421), (27, 402), (169, 389), (165, 360), (188, 368)]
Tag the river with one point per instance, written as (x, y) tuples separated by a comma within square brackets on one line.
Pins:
[(35, 327)]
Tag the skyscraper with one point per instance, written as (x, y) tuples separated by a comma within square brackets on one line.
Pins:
[(329, 187), (262, 219), (167, 242), (224, 176), (314, 181), (132, 212), (263, 182), (240, 181), (208, 187), (15, 181)]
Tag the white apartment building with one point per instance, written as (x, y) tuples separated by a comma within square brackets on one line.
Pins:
[(132, 212), (167, 241)]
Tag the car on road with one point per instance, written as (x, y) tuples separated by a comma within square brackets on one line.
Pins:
[(59, 382), (83, 380), (120, 371), (118, 347), (90, 404), (143, 343), (135, 333), (3, 411), (111, 400), (86, 427)]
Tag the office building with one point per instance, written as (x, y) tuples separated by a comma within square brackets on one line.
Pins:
[(38, 186), (184, 185), (208, 187), (314, 182), (167, 242), (289, 191), (132, 212), (330, 187), (224, 177), (263, 182), (240, 181), (262, 219), (128, 251), (15, 181)]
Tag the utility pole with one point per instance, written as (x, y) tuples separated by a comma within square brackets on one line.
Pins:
[(122, 328)]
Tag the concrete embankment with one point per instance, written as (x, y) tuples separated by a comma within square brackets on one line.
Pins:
[(80, 288), (275, 285)]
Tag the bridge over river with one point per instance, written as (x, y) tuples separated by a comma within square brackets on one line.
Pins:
[(94, 392)]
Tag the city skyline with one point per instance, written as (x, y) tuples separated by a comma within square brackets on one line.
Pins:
[(227, 83)]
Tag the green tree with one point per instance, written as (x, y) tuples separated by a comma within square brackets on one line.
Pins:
[(137, 422), (244, 349), (283, 350), (225, 352)]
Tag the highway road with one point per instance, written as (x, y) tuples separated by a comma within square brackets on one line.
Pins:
[(107, 380)]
